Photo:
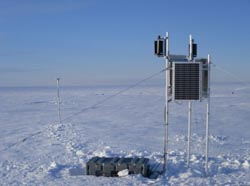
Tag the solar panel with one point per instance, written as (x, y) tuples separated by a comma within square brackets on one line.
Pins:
[(186, 81)]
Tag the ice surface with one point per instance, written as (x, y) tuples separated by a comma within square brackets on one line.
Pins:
[(36, 150)]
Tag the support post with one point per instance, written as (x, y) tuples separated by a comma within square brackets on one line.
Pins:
[(189, 131), (207, 118), (166, 106), (189, 103), (190, 48), (58, 100)]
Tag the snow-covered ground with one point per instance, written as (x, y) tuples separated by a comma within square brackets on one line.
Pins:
[(36, 150)]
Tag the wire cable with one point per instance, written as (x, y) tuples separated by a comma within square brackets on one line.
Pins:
[(247, 84), (114, 95), (94, 106)]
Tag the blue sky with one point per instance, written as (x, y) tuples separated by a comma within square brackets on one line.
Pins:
[(88, 42)]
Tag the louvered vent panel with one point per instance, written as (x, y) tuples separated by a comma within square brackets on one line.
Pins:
[(186, 81)]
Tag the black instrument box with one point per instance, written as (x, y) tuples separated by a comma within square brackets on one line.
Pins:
[(109, 167)]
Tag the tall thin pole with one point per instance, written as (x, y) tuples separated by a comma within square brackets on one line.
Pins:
[(207, 117), (189, 131), (189, 103), (58, 100), (166, 106)]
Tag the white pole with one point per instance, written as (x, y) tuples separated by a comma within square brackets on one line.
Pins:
[(190, 48), (166, 106), (189, 104), (58, 100), (189, 131), (207, 117)]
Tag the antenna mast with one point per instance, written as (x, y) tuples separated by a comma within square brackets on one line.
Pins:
[(207, 114), (189, 103), (166, 104)]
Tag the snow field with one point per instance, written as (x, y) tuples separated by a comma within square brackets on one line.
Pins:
[(130, 124)]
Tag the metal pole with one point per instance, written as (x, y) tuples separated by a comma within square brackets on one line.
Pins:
[(189, 104), (190, 48), (207, 117), (58, 100), (189, 131), (166, 106)]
